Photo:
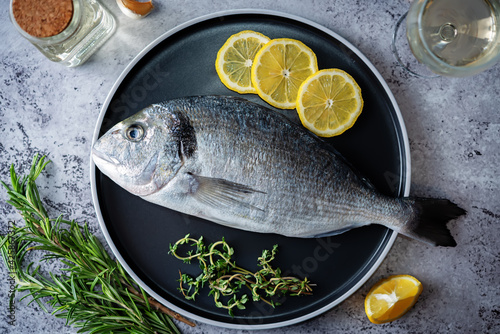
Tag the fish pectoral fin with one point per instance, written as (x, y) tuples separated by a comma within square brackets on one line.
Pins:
[(219, 192)]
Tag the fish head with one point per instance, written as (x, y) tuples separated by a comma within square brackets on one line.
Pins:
[(142, 153)]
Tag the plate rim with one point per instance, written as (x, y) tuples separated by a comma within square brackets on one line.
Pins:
[(405, 167)]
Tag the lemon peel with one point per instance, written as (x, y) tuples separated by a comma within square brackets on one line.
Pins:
[(135, 9), (391, 298), (279, 68), (235, 58), (329, 102)]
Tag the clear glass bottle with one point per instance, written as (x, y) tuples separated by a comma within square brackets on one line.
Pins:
[(90, 26)]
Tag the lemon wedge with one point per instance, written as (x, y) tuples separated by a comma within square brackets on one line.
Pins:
[(135, 9), (391, 298), (279, 68), (329, 102), (235, 59)]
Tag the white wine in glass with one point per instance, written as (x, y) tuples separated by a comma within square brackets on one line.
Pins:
[(455, 37)]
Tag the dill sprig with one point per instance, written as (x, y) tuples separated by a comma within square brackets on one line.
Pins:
[(225, 279), (94, 293)]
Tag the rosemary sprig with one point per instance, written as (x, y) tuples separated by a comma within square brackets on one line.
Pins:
[(94, 293), (225, 278)]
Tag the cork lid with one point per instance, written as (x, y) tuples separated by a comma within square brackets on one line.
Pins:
[(42, 18)]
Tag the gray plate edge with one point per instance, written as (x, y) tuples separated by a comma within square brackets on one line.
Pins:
[(404, 138)]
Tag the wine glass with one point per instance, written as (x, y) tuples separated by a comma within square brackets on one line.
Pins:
[(452, 37)]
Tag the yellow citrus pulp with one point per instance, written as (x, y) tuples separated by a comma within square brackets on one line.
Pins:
[(329, 102), (279, 68), (135, 9), (391, 298), (235, 59)]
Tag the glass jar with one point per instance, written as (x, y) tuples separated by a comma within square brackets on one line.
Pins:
[(88, 28)]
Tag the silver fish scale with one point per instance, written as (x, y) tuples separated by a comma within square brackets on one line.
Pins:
[(303, 188)]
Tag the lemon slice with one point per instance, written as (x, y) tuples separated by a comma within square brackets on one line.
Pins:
[(279, 68), (235, 59), (329, 102), (391, 298)]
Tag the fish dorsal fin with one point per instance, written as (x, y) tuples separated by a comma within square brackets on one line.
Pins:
[(219, 192)]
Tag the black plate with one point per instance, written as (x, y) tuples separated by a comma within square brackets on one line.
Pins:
[(181, 63)]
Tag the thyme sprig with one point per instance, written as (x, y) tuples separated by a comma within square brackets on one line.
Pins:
[(225, 278), (94, 293)]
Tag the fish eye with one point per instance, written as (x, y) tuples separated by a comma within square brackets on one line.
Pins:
[(134, 132)]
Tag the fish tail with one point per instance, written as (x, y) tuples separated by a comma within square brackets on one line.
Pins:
[(428, 223)]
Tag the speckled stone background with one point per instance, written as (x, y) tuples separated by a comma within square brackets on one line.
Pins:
[(453, 127)]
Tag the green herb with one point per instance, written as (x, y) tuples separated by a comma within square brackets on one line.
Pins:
[(94, 293), (225, 279)]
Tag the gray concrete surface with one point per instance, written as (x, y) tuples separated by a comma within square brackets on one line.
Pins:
[(453, 127)]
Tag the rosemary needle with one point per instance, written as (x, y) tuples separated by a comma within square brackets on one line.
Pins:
[(93, 293)]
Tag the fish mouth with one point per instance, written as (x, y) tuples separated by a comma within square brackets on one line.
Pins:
[(100, 157)]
